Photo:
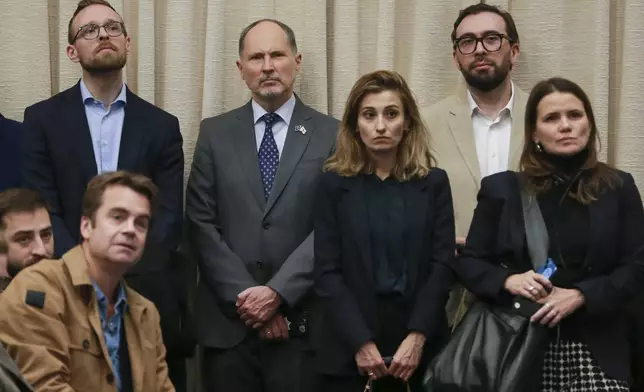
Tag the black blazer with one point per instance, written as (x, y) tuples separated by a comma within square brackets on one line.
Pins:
[(10, 136), (344, 270), (58, 161), (614, 267)]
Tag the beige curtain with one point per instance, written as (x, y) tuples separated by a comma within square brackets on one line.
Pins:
[(184, 54)]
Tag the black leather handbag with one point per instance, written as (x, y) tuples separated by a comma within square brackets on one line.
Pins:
[(495, 348)]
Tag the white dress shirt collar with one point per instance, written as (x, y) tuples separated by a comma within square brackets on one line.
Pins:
[(474, 108), (285, 111)]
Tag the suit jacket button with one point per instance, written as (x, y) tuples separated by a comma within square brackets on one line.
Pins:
[(266, 225), (302, 329), (86, 344), (259, 264), (110, 378)]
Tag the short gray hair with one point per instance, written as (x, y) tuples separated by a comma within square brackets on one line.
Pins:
[(290, 35)]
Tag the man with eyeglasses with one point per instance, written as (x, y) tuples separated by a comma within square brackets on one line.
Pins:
[(479, 130), (100, 126)]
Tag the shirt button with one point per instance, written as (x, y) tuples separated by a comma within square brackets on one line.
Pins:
[(110, 378)]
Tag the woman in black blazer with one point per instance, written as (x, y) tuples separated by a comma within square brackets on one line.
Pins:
[(384, 232), (595, 224)]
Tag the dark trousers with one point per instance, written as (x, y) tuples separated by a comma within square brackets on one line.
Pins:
[(256, 365), (357, 384), (177, 373)]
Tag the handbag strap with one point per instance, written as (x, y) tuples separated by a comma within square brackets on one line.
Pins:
[(535, 228)]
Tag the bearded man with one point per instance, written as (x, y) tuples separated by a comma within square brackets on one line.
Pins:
[(478, 131), (100, 126)]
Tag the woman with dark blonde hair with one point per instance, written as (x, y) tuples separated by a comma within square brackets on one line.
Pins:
[(384, 234), (592, 218)]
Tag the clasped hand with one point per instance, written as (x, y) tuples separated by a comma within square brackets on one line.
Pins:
[(403, 364), (257, 305), (558, 303)]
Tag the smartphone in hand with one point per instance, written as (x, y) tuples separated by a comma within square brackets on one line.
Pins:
[(527, 307)]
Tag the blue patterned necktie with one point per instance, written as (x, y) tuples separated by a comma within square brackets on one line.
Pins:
[(268, 154)]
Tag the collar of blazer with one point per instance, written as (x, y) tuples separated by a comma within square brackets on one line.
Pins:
[(76, 264), (460, 124), (135, 122), (294, 147)]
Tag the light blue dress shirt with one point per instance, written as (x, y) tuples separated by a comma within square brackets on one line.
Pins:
[(280, 128), (112, 326), (105, 126)]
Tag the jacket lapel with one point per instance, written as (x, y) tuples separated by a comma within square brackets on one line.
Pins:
[(460, 124), (515, 234), (246, 151), (135, 345), (95, 322), (294, 147), (517, 136), (359, 219), (416, 203), (81, 138), (130, 146)]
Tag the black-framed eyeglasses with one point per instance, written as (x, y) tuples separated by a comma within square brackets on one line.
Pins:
[(91, 31), (491, 42)]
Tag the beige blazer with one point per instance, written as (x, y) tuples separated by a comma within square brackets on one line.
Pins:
[(450, 126)]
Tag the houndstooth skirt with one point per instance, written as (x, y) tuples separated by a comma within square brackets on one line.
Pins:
[(570, 367)]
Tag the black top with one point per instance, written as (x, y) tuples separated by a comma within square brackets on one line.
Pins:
[(386, 211), (567, 220), (568, 224)]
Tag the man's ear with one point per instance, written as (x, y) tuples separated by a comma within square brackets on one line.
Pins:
[(86, 227), (72, 53)]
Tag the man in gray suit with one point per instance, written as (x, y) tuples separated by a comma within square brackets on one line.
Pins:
[(249, 205)]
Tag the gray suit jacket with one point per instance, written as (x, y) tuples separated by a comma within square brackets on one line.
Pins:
[(10, 378), (240, 239)]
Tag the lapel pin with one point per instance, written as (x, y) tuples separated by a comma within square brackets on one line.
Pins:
[(300, 129)]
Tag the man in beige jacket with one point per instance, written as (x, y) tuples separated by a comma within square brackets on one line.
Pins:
[(74, 324), (479, 130)]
